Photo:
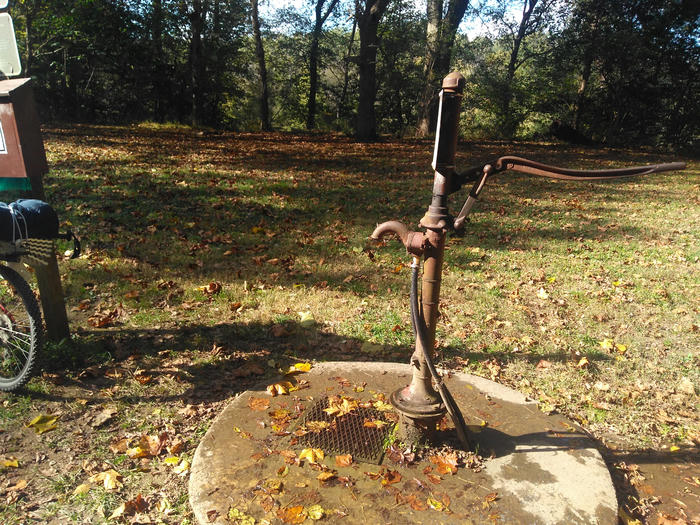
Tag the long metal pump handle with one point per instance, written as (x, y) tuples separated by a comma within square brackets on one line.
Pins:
[(479, 175), (554, 172)]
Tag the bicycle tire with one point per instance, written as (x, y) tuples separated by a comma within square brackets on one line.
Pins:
[(21, 330)]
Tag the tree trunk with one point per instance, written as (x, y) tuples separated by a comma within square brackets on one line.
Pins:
[(346, 73), (260, 54), (313, 60), (159, 75), (581, 95), (368, 23), (440, 37), (509, 123), (197, 69)]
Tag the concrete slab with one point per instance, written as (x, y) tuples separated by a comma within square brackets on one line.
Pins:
[(537, 469)]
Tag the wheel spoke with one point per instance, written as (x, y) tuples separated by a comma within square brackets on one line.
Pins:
[(21, 335)]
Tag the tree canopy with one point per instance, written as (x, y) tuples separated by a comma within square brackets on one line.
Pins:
[(610, 71)]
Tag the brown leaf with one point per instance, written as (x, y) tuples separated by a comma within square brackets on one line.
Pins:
[(258, 403), (543, 363), (325, 476), (294, 515), (433, 478), (344, 460), (118, 446), (416, 502), (445, 463), (390, 477)]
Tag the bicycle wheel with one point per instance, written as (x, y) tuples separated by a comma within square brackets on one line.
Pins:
[(20, 329)]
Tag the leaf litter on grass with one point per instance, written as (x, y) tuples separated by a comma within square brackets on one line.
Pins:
[(630, 283)]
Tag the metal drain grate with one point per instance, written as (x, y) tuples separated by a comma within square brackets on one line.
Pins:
[(348, 435)]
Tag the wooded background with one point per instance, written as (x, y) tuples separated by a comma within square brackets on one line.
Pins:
[(619, 72)]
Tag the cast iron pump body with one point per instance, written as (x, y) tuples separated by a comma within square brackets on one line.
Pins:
[(419, 404)]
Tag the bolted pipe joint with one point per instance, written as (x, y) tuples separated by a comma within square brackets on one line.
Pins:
[(413, 241)]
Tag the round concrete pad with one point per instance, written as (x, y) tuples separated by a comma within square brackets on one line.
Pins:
[(536, 469)]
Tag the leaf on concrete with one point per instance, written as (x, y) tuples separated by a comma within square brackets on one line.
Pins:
[(282, 388), (258, 403), (294, 515), (446, 463), (315, 512), (298, 368), (344, 460)]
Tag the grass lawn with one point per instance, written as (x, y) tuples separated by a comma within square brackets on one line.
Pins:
[(213, 260)]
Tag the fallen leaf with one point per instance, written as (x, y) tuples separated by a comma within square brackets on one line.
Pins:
[(183, 468), (9, 462), (240, 518), (390, 477), (104, 417), (582, 363), (315, 512), (20, 485), (83, 488), (43, 423), (131, 507), (282, 388), (313, 455), (294, 515), (325, 476), (445, 463), (306, 319), (119, 446), (258, 403), (297, 368), (626, 519), (606, 344), (344, 460), (171, 461), (317, 426), (111, 479)]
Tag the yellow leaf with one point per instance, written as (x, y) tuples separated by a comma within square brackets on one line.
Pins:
[(306, 319), (137, 452), (621, 348), (606, 344), (282, 388), (83, 488), (674, 448), (314, 512), (313, 455), (43, 423), (172, 460), (382, 406), (111, 479), (163, 506), (583, 362), (299, 367), (626, 519), (9, 462), (183, 468), (118, 512)]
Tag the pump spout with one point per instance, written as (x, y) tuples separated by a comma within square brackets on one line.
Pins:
[(413, 241)]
